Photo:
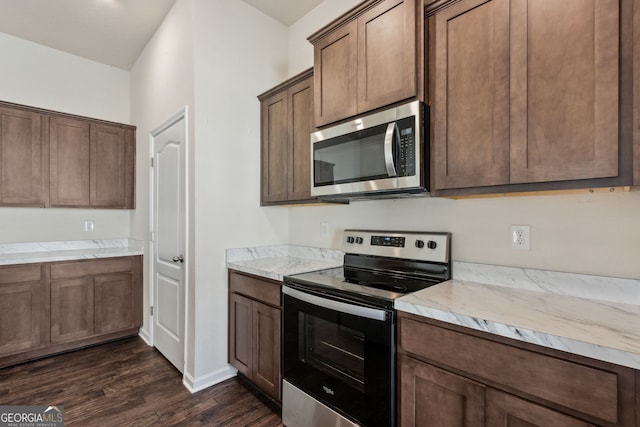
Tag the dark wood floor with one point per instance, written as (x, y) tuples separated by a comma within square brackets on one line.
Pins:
[(127, 383)]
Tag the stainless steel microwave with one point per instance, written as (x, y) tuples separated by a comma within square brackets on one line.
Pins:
[(379, 155)]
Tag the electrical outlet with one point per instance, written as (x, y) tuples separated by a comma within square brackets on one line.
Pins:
[(324, 229), (89, 226), (520, 237)]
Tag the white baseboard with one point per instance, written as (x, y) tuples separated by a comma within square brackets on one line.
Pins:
[(196, 384), (143, 334)]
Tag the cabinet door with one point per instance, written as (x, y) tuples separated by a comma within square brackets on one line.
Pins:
[(108, 182), (21, 168), (386, 54), (69, 162), (335, 75), (432, 397), (240, 333), (471, 111), (274, 148), (505, 410), (115, 303), (300, 99), (637, 397), (22, 309), (72, 309), (636, 102), (564, 89), (266, 348)]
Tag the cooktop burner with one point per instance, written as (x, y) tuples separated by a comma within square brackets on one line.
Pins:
[(380, 266)]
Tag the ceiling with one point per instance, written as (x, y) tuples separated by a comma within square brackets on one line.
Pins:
[(285, 11), (113, 32)]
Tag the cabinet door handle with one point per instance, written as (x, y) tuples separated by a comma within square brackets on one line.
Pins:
[(178, 258)]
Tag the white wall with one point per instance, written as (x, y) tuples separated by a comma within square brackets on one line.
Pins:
[(300, 50), (215, 56), (42, 77), (588, 233), (239, 53), (162, 84)]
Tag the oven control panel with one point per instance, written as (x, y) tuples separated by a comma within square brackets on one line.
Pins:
[(383, 240), (425, 246)]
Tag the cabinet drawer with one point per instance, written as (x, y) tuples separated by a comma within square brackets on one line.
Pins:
[(581, 388), (20, 274), (262, 290), (63, 270)]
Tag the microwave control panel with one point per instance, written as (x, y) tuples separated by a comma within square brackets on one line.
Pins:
[(406, 162)]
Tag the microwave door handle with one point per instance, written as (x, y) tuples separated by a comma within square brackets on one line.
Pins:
[(392, 130)]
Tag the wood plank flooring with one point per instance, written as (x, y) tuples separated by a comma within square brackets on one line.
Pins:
[(128, 383)]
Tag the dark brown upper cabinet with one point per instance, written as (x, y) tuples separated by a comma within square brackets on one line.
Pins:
[(21, 157), (530, 95), (50, 159), (365, 60), (91, 165), (69, 165), (286, 125), (636, 97)]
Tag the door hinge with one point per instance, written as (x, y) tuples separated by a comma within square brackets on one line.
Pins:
[(152, 162), (151, 311)]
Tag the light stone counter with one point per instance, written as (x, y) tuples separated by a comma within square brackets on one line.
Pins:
[(592, 316), (275, 262), (34, 252)]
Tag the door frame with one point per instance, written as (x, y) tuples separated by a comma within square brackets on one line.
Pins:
[(182, 114)]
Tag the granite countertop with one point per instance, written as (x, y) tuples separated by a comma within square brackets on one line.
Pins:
[(34, 252), (275, 262), (593, 316)]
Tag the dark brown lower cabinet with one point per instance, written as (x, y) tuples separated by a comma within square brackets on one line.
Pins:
[(72, 308), (638, 398), (53, 307), (23, 320), (240, 333), (254, 330), (434, 397), (505, 410), (458, 377), (116, 303)]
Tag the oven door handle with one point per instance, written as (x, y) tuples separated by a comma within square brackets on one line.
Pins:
[(355, 310)]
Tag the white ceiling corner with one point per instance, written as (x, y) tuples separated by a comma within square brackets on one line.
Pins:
[(112, 32), (285, 11)]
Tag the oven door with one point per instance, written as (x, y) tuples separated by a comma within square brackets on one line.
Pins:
[(340, 353)]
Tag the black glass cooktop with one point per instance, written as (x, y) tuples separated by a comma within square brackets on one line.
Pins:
[(380, 288)]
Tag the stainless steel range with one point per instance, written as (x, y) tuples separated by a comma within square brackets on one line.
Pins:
[(338, 327)]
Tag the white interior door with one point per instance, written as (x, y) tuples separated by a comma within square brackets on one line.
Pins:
[(168, 218)]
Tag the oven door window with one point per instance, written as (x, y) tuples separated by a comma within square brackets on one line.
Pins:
[(333, 349), (345, 361)]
